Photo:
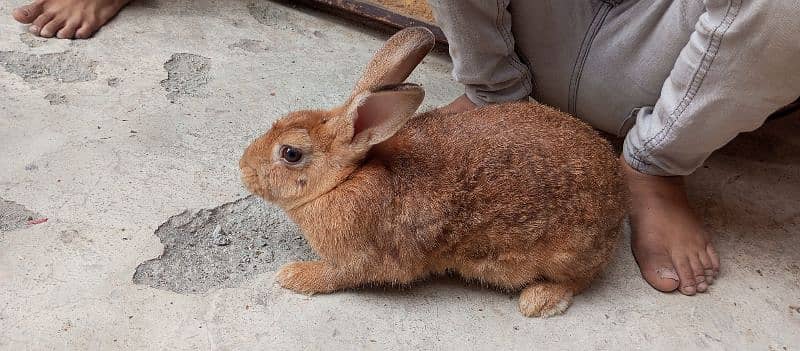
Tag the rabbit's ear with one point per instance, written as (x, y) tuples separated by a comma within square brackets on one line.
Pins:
[(375, 116), (395, 61)]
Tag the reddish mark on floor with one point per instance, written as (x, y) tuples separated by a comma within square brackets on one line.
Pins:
[(37, 221)]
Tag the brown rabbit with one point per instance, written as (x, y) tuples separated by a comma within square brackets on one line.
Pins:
[(518, 196)]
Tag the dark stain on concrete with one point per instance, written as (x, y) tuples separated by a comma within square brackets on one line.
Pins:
[(56, 99), (250, 45), (222, 247), (113, 81), (68, 236), (64, 67), (14, 216), (187, 75)]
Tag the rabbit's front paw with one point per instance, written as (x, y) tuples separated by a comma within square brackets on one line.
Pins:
[(305, 277)]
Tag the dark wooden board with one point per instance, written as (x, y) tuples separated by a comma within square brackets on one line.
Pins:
[(371, 15), (792, 109)]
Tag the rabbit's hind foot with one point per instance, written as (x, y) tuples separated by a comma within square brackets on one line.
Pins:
[(546, 299)]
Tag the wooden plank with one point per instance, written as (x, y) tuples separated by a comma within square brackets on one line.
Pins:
[(792, 109), (371, 15)]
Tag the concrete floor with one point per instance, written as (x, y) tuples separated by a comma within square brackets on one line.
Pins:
[(112, 137)]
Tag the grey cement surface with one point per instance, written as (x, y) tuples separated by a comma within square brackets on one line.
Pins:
[(223, 246), (15, 216), (128, 143)]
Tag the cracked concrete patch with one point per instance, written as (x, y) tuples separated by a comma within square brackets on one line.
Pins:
[(222, 247), (267, 13), (187, 75), (64, 67), (249, 45), (14, 216)]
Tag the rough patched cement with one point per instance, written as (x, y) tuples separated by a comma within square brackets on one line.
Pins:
[(267, 13), (222, 247), (187, 74), (65, 67), (249, 45), (31, 40), (14, 216), (113, 81)]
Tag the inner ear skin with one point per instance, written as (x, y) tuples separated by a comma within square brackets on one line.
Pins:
[(366, 117), (379, 114), (396, 87)]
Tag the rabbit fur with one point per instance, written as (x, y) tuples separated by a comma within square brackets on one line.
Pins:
[(518, 195)]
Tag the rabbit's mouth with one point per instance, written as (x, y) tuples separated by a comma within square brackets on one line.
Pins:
[(251, 181), (259, 183)]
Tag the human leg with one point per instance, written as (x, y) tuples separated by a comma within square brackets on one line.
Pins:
[(736, 69), (483, 51)]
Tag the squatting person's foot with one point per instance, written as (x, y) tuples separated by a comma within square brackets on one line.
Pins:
[(460, 104), (67, 19), (669, 242), (463, 104)]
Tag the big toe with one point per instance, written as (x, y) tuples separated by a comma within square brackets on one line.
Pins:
[(26, 14), (658, 271)]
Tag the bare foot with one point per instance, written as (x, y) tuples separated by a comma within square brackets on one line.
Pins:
[(67, 19), (669, 242), (461, 104)]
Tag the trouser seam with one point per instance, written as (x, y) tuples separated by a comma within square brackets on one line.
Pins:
[(583, 54), (575, 64), (714, 43), (508, 39)]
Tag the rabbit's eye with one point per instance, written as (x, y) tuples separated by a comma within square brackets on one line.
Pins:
[(290, 154)]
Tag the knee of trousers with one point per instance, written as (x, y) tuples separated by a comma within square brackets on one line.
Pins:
[(779, 21)]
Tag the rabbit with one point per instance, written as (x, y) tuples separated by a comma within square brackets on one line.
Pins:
[(518, 196)]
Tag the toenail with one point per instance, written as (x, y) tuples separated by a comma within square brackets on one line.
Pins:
[(33, 29), (689, 290), (667, 273), (702, 287)]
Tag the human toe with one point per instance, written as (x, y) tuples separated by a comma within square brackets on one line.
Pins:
[(657, 270), (688, 284), (714, 257), (26, 14), (51, 28), (699, 273), (39, 23), (68, 31), (85, 31), (707, 266)]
